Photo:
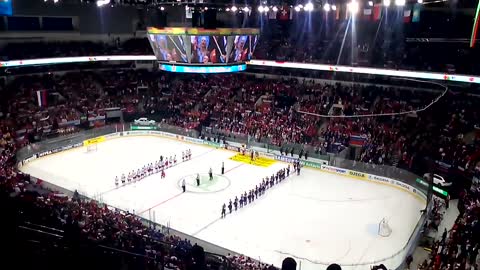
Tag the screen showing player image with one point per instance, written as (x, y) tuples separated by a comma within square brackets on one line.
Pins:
[(168, 48), (240, 51), (203, 49)]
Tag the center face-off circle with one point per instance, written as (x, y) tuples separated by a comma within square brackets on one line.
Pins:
[(218, 183)]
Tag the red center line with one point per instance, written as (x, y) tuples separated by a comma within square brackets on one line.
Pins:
[(160, 203), (231, 169)]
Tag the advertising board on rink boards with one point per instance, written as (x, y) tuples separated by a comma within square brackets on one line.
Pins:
[(94, 140)]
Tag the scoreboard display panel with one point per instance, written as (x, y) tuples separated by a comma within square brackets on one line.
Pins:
[(221, 46)]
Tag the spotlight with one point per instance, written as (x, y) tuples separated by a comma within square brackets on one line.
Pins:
[(266, 9), (260, 8), (399, 3), (352, 7), (162, 8), (334, 7), (275, 9), (370, 3), (420, 1), (206, 8), (386, 3), (227, 9), (308, 7), (297, 8), (234, 9), (101, 3), (246, 9), (326, 7)]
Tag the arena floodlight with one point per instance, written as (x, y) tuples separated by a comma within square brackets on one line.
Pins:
[(275, 9), (297, 8), (420, 1), (266, 9), (386, 3), (308, 7), (370, 3), (260, 8), (246, 9), (227, 9), (352, 7), (334, 7), (162, 8), (326, 7), (234, 9), (101, 3), (399, 3)]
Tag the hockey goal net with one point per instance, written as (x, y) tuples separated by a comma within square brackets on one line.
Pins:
[(92, 148), (384, 228)]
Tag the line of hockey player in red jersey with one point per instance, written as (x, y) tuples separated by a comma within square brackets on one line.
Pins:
[(158, 166), (259, 190)]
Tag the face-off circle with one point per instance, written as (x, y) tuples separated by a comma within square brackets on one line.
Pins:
[(218, 183)]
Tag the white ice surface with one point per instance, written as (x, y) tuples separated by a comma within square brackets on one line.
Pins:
[(319, 217)]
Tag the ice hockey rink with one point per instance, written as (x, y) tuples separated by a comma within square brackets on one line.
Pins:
[(317, 218)]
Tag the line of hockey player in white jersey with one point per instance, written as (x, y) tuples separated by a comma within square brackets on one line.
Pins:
[(158, 166), (259, 190)]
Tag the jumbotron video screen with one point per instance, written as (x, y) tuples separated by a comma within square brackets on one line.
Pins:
[(221, 46)]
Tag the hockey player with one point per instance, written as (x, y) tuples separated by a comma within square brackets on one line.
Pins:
[(175, 159), (116, 181), (183, 185), (223, 168), (183, 156), (288, 170), (210, 174), (170, 161), (230, 206), (241, 200), (198, 179), (189, 153), (251, 155), (163, 173), (235, 203), (224, 211), (139, 175), (298, 168), (123, 178)]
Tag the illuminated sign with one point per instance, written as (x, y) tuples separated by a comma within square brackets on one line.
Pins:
[(332, 68), (202, 69)]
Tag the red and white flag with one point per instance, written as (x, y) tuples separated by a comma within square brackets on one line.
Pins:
[(377, 12), (42, 98), (407, 15)]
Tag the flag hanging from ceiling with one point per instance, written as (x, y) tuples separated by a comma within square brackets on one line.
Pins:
[(367, 13), (416, 12), (284, 13), (406, 15), (272, 15), (377, 12), (42, 98)]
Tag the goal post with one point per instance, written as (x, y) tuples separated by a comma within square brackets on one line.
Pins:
[(91, 145), (92, 148), (384, 228)]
